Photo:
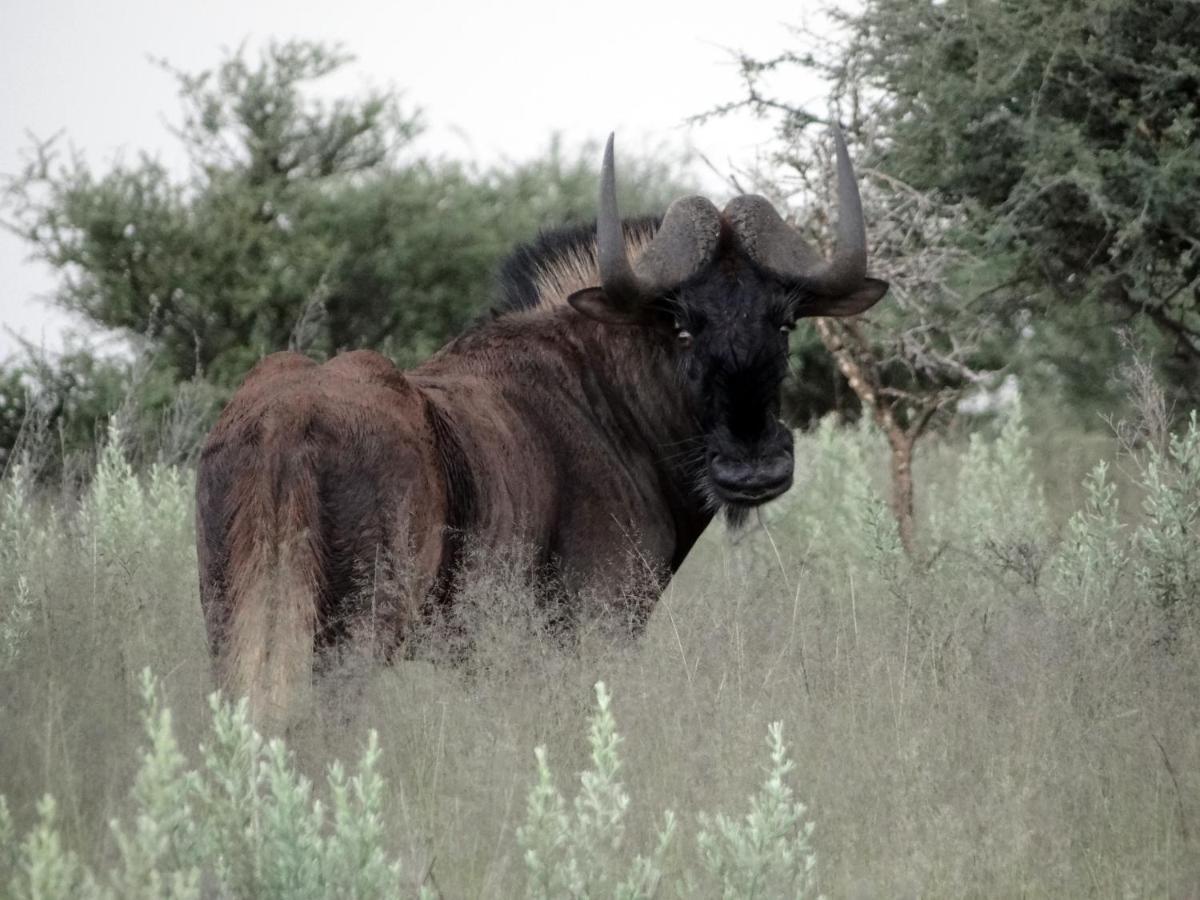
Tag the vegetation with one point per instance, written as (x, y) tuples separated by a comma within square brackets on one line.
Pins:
[(301, 224), (1029, 171), (1030, 179), (247, 826), (1009, 710), (1071, 132), (1056, 145), (244, 827)]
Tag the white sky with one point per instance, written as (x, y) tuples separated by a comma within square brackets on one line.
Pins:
[(494, 80)]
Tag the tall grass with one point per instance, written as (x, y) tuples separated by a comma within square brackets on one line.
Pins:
[(1011, 711)]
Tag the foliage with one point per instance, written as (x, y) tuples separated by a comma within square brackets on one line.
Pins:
[(126, 518), (246, 825), (243, 826), (999, 506), (1169, 539), (14, 403), (767, 854), (1056, 145), (213, 270), (1069, 131), (1095, 555), (21, 541), (301, 223), (124, 524), (580, 854), (65, 400)]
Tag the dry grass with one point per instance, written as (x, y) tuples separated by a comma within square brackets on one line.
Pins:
[(961, 726)]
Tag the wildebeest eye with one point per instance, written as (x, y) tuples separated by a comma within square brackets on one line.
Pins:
[(682, 335), (788, 328)]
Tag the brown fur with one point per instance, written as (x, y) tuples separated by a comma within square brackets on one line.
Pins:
[(563, 274), (528, 431), (587, 447), (273, 561)]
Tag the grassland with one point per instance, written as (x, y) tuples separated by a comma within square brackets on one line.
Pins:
[(1012, 712)]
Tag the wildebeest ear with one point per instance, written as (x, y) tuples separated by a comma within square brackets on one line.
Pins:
[(858, 300), (595, 303)]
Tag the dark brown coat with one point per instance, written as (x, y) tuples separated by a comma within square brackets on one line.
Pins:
[(542, 429), (626, 389)]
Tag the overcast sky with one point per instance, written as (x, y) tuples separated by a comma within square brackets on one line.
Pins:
[(495, 80)]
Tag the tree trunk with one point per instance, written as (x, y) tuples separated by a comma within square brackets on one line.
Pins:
[(900, 440), (902, 488)]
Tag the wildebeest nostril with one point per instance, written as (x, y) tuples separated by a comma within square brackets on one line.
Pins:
[(769, 475)]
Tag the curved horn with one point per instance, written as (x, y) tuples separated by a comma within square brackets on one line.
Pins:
[(775, 245), (685, 241), (616, 275)]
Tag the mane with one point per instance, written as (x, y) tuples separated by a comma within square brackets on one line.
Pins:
[(545, 272)]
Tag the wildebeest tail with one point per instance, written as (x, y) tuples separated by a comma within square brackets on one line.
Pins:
[(273, 585)]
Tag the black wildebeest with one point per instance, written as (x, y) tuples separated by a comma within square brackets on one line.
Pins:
[(626, 389)]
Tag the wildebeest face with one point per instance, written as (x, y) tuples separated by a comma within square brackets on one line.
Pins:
[(729, 285), (730, 336), (728, 329), (731, 330)]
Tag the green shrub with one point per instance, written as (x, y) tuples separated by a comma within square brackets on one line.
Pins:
[(997, 511), (1095, 553), (1169, 539), (246, 824), (243, 825), (128, 520), (768, 853), (581, 853), (1103, 564), (21, 541)]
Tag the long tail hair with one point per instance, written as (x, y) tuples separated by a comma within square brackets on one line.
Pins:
[(273, 585)]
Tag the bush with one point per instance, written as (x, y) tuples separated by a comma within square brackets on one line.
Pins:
[(1169, 540), (580, 854), (767, 854), (245, 825)]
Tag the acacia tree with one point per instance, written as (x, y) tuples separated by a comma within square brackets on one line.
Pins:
[(1071, 134), (210, 269), (301, 222), (1032, 175), (912, 357)]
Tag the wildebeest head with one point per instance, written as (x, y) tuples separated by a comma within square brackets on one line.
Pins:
[(728, 287)]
